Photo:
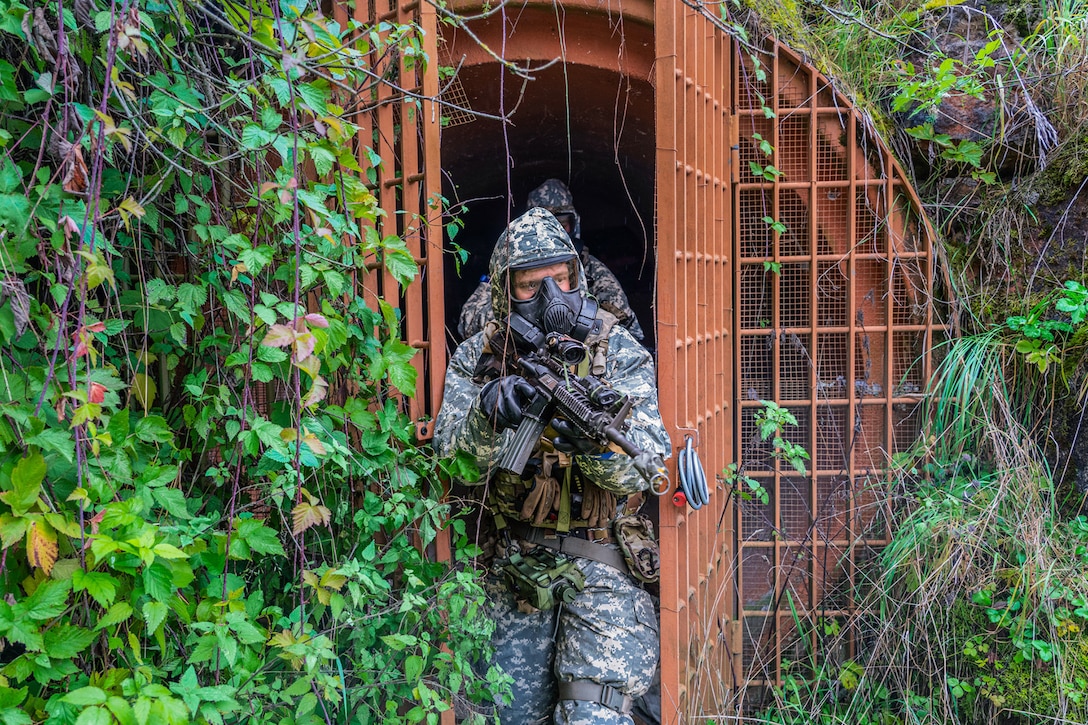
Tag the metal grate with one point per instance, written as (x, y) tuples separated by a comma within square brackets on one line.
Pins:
[(455, 105), (827, 284), (843, 289)]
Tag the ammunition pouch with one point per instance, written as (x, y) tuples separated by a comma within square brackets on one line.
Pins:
[(635, 536), (542, 578)]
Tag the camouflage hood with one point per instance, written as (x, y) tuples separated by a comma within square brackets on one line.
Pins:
[(554, 196), (534, 239)]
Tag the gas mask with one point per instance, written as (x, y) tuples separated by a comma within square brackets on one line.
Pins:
[(553, 310)]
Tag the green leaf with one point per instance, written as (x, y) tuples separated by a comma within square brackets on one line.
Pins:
[(236, 304), (94, 716), (12, 529), (101, 586), (49, 600), (10, 176), (158, 582), (118, 613), (154, 615), (400, 264), (191, 297), (314, 97), (26, 483), (122, 711), (255, 137), (56, 441), (85, 696), (10, 697), (172, 501), (65, 641), (413, 668), (398, 642), (260, 538), (154, 429), (323, 159), (14, 212)]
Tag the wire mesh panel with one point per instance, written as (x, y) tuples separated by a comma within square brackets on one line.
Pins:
[(398, 122), (834, 328)]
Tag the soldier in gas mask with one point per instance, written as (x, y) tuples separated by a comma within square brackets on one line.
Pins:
[(554, 196), (574, 627)]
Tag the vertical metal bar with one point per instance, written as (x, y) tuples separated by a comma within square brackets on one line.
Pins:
[(431, 247), (666, 117), (412, 216)]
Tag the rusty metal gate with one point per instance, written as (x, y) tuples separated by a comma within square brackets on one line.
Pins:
[(398, 120), (794, 269)]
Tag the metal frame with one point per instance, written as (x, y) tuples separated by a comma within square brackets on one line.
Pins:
[(829, 318), (402, 126)]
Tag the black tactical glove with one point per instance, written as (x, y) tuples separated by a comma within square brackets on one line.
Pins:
[(570, 440), (503, 399)]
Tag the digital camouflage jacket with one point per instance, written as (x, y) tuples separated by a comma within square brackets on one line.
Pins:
[(619, 359)]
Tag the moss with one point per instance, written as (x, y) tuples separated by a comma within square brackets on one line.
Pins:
[(1011, 685), (1064, 173)]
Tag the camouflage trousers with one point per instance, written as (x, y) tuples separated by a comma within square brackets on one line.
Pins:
[(608, 635)]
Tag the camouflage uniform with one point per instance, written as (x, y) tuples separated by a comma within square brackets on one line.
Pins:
[(608, 634), (554, 196)]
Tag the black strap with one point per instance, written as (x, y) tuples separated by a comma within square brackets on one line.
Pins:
[(605, 695), (570, 545)]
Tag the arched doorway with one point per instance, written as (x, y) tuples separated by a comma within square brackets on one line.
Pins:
[(582, 112)]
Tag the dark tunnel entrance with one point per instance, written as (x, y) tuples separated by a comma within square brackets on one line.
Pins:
[(588, 126)]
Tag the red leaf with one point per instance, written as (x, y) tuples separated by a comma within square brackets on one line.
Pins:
[(279, 336), (317, 320), (97, 393)]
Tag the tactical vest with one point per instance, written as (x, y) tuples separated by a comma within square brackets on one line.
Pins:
[(552, 493)]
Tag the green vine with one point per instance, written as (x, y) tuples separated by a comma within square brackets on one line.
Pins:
[(212, 506)]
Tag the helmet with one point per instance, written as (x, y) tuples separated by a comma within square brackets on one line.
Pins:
[(554, 196)]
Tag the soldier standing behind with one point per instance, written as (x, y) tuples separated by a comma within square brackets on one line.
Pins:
[(554, 196), (584, 659)]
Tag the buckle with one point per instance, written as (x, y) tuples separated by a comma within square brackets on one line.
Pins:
[(613, 699)]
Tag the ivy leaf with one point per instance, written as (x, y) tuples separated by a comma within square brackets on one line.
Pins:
[(26, 484), (41, 546), (305, 514)]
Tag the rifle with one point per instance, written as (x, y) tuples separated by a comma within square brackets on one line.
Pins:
[(591, 405)]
